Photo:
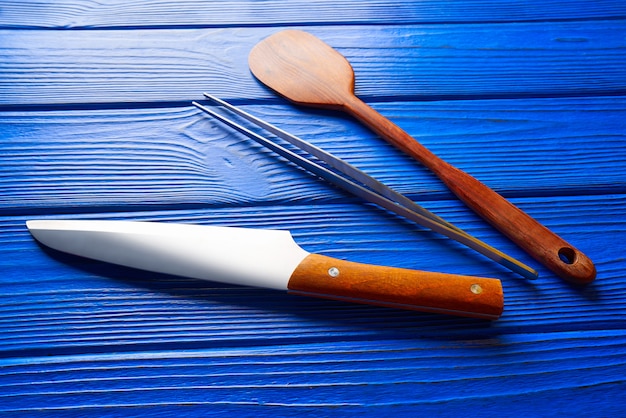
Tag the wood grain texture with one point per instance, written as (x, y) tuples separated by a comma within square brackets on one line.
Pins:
[(419, 290), (92, 336), (80, 14), (81, 160), (96, 123), (307, 379), (447, 61), (340, 231)]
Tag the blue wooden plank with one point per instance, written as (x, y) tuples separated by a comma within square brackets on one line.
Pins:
[(44, 309), (69, 160), (97, 124), (82, 336), (79, 14), (125, 69), (272, 379)]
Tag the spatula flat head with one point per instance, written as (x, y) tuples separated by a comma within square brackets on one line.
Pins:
[(303, 69)]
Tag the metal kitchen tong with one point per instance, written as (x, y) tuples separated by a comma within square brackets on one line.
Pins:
[(361, 184)]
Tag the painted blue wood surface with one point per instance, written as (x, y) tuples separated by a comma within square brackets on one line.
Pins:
[(96, 123), (425, 62)]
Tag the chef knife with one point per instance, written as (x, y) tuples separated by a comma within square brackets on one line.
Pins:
[(268, 259)]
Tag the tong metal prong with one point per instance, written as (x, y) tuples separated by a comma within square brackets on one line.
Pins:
[(361, 184)]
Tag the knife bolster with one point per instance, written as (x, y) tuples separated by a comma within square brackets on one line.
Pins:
[(331, 278)]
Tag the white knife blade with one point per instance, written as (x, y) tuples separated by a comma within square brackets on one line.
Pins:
[(268, 259)]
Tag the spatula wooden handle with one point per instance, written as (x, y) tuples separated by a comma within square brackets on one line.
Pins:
[(331, 278), (542, 244)]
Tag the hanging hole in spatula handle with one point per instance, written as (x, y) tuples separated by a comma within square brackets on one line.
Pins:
[(574, 266)]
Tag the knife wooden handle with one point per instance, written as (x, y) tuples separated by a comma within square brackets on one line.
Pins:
[(331, 278), (538, 241)]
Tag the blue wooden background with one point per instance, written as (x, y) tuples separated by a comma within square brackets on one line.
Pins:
[(96, 123)]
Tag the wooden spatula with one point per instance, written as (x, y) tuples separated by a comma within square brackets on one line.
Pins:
[(305, 70)]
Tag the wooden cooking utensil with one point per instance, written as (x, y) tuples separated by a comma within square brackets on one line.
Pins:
[(305, 70)]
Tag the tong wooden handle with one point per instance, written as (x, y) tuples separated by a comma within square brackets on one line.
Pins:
[(542, 244), (331, 278)]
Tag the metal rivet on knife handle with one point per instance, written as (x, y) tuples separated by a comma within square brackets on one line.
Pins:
[(476, 289), (305, 70), (333, 272)]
